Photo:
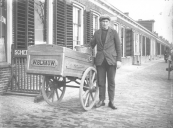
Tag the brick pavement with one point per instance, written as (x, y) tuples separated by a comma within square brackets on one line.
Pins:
[(143, 96)]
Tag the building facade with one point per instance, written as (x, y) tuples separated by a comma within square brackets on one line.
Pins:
[(66, 23)]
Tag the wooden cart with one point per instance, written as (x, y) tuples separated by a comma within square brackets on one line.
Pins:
[(59, 66)]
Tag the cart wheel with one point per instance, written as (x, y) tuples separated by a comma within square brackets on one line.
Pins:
[(53, 89), (88, 88)]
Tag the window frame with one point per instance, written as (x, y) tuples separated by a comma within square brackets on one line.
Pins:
[(136, 42), (81, 20), (98, 15), (117, 28), (98, 26), (120, 36), (42, 29)]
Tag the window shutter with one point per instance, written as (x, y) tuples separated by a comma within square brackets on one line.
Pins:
[(63, 24), (23, 25), (122, 40), (124, 43), (88, 29), (132, 44), (19, 24), (162, 49), (147, 46), (30, 36), (156, 52), (140, 43), (45, 23), (85, 27), (69, 26), (143, 46), (129, 42), (59, 25), (158, 47)]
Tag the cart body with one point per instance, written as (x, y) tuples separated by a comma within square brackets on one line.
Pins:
[(56, 60)]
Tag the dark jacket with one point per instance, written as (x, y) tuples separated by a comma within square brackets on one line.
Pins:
[(111, 50)]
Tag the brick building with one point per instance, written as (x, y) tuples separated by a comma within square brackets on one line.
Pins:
[(66, 23)]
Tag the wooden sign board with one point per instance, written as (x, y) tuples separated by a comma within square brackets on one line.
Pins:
[(20, 53)]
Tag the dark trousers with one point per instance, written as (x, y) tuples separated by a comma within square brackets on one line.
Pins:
[(110, 71)]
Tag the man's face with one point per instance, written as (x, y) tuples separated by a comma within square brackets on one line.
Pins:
[(105, 24)]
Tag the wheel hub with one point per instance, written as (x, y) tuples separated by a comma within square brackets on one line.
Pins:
[(92, 88)]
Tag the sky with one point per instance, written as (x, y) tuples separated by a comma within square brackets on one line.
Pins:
[(161, 11)]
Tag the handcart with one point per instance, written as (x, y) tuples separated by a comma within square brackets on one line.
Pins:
[(60, 66)]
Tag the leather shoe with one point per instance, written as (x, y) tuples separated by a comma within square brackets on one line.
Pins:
[(100, 103), (111, 105)]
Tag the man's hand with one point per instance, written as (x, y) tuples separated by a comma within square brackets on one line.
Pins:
[(118, 64)]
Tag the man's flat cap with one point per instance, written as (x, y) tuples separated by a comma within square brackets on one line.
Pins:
[(105, 16)]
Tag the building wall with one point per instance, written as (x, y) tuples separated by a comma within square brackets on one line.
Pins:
[(5, 75), (89, 5)]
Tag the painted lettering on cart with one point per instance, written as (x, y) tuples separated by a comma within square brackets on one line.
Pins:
[(49, 63)]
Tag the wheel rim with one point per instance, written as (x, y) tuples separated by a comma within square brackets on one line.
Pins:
[(53, 89), (88, 89)]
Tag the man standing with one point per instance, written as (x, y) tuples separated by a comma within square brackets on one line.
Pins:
[(108, 59)]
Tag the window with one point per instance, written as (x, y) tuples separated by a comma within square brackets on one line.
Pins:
[(122, 39), (95, 28), (77, 25), (2, 34), (116, 27), (95, 22), (136, 37), (128, 45), (40, 22)]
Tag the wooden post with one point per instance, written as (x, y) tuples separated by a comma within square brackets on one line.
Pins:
[(9, 30)]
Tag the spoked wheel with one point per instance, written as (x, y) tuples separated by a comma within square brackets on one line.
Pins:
[(53, 89), (88, 88)]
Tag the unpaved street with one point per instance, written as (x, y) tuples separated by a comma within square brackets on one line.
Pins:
[(143, 97)]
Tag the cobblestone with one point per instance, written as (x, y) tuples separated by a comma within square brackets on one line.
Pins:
[(144, 97)]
